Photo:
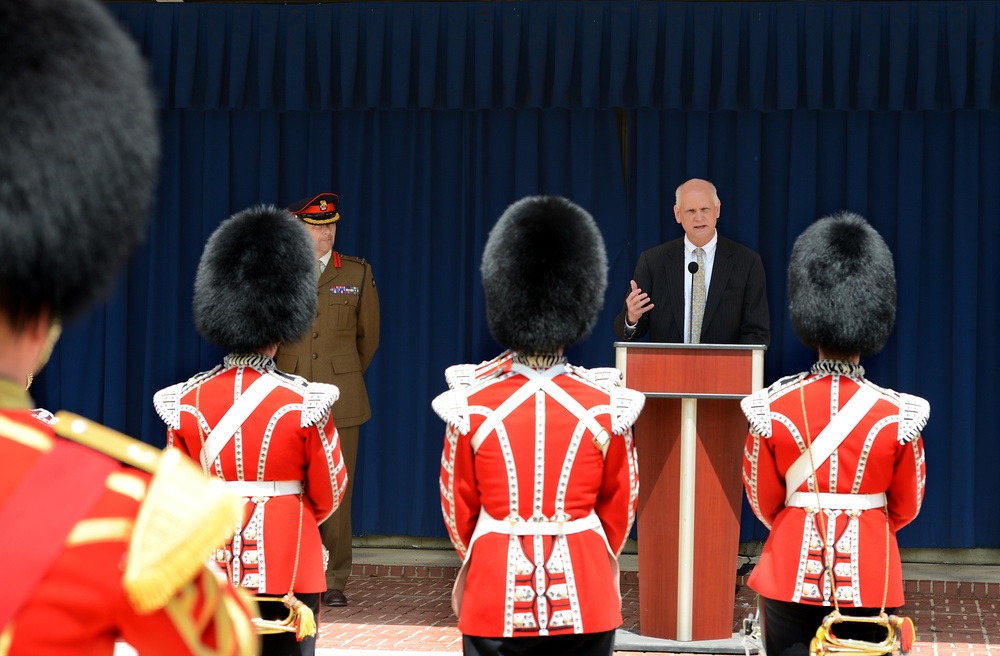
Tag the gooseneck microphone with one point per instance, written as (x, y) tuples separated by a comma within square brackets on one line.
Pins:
[(693, 268)]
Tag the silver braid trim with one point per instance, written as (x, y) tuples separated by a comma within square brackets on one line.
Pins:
[(606, 377), (453, 407), (460, 376), (626, 404), (757, 408), (167, 403), (317, 400), (914, 412)]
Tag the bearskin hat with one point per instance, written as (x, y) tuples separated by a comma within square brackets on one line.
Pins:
[(544, 272), (256, 281), (842, 286), (79, 150)]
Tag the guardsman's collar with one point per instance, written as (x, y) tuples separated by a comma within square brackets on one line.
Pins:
[(540, 360), (256, 360), (842, 367), (13, 396)]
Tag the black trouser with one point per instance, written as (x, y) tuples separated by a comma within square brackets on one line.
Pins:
[(789, 627), (582, 644), (285, 644)]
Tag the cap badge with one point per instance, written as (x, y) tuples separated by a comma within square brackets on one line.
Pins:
[(322, 206)]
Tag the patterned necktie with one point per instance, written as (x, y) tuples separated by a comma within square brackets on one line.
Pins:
[(698, 297)]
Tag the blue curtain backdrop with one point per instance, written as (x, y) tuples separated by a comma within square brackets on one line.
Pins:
[(430, 118)]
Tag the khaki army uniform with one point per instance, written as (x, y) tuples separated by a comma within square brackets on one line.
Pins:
[(337, 349)]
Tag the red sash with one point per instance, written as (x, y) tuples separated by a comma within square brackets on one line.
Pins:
[(56, 493)]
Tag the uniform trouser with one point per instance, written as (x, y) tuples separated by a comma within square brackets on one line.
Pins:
[(583, 644), (790, 627), (285, 644), (336, 530)]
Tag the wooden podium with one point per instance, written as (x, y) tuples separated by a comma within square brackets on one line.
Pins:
[(690, 438)]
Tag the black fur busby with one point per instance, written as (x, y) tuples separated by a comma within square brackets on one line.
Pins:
[(79, 149), (842, 286), (256, 282), (544, 272)]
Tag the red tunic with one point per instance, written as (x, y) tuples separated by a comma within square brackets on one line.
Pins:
[(290, 436), (543, 450), (81, 605), (883, 453)]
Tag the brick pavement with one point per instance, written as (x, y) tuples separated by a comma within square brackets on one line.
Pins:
[(407, 609)]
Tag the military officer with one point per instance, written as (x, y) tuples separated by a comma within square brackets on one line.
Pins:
[(834, 464), (539, 480), (104, 537), (337, 349), (268, 434)]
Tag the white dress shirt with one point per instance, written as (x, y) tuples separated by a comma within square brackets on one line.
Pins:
[(689, 257)]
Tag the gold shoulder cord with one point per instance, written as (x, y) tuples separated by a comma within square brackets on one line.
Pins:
[(184, 516), (899, 629)]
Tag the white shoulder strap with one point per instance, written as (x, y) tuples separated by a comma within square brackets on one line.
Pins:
[(831, 437), (522, 394), (234, 418), (563, 398)]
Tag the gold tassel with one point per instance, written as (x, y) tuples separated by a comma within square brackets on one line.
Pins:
[(305, 620), (300, 620)]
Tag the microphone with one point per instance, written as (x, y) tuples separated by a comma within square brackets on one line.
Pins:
[(693, 268)]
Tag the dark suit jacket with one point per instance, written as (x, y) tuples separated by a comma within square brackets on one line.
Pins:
[(735, 311)]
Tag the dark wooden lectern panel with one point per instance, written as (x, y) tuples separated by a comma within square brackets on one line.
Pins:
[(718, 498), (689, 371)]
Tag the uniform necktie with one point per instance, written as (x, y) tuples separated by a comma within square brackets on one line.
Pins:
[(320, 268), (698, 297)]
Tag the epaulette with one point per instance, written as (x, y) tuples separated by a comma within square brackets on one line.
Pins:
[(914, 412), (364, 265), (605, 377), (626, 404), (464, 376), (317, 400), (460, 376), (453, 407), (757, 406), (353, 258), (167, 402), (184, 516)]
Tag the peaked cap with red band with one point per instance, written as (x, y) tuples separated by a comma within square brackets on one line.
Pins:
[(317, 210)]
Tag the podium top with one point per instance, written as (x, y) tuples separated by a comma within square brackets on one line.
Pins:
[(719, 371), (672, 345)]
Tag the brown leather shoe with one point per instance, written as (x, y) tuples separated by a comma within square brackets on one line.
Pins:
[(334, 598)]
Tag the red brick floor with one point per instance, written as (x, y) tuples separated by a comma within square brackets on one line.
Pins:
[(408, 609)]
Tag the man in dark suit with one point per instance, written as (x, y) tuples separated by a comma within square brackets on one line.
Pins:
[(726, 276)]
